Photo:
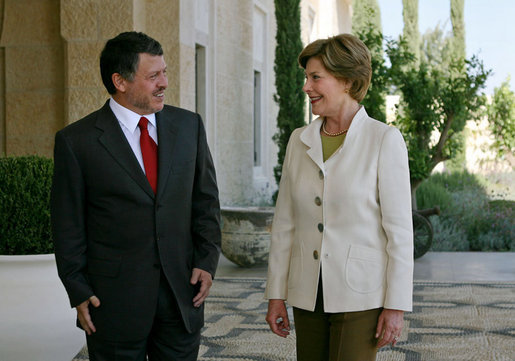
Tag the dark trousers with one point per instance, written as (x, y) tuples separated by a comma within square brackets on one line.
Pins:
[(346, 336), (167, 341)]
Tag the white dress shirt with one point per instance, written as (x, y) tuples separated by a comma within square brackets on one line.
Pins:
[(129, 123)]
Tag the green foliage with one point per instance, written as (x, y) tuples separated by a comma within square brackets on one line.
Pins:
[(435, 100), (458, 182), (469, 220), (365, 14), (436, 50), (502, 205), (289, 77), (501, 117), (431, 194), (410, 30), (371, 35), (24, 205), (459, 161), (458, 27), (448, 236), (487, 228)]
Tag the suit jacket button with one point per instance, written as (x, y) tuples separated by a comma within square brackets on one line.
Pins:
[(315, 254), (320, 227), (318, 201)]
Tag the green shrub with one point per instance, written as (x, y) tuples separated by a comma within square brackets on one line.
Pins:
[(502, 205), (493, 228), (24, 205), (430, 194), (458, 181), (448, 236), (469, 220)]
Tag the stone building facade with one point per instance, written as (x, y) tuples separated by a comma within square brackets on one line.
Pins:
[(220, 57)]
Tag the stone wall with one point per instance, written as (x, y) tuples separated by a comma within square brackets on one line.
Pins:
[(32, 76), (49, 62)]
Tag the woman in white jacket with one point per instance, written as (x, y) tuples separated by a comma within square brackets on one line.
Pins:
[(342, 239)]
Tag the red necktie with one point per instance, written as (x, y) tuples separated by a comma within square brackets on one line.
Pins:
[(149, 153)]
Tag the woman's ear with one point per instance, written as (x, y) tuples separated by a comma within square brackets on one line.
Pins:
[(347, 85), (119, 82)]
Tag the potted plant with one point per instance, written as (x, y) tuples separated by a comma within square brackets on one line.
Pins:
[(246, 234), (35, 311)]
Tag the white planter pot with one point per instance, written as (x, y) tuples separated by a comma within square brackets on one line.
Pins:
[(246, 234), (37, 322)]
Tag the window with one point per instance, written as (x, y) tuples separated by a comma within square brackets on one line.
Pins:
[(257, 118), (259, 55), (200, 81)]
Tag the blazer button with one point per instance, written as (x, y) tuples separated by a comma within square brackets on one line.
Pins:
[(318, 201), (321, 174), (320, 227), (315, 254)]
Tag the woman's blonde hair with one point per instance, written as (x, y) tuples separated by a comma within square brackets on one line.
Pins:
[(345, 57)]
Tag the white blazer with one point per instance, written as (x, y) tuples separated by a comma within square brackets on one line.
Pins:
[(349, 217)]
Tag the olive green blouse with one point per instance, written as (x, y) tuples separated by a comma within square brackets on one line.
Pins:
[(331, 144)]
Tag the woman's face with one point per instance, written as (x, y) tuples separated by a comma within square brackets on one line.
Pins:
[(326, 93)]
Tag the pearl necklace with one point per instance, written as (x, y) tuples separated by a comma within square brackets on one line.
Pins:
[(333, 134)]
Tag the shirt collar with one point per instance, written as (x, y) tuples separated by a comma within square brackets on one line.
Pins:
[(129, 118)]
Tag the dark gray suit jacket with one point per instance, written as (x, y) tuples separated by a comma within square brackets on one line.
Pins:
[(113, 236)]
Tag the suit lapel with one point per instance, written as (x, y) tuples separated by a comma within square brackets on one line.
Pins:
[(116, 144), (311, 137), (166, 132)]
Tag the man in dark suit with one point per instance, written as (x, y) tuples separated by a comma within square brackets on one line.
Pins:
[(135, 213)]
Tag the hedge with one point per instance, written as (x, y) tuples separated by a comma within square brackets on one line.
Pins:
[(25, 183)]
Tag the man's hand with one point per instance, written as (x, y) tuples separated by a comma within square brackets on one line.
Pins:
[(389, 327), (205, 280), (83, 314), (277, 318)]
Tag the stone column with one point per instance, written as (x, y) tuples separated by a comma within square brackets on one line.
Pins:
[(87, 24), (32, 71), (235, 97), (162, 23), (85, 27)]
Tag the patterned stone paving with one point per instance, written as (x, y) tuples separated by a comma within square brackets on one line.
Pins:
[(450, 321)]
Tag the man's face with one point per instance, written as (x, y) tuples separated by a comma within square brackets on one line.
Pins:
[(144, 94)]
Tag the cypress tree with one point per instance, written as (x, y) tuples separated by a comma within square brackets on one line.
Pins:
[(289, 77), (410, 32), (366, 25), (457, 49), (458, 27), (364, 13)]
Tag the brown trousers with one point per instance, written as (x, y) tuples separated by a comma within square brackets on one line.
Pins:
[(347, 336)]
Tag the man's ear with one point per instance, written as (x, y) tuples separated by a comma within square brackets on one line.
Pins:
[(119, 82)]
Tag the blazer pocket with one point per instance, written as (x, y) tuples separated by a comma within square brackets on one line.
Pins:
[(365, 270), (102, 267)]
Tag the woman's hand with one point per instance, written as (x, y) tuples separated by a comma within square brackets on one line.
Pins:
[(277, 318), (389, 327)]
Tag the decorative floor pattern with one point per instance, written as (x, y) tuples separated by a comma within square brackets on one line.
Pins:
[(450, 321)]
